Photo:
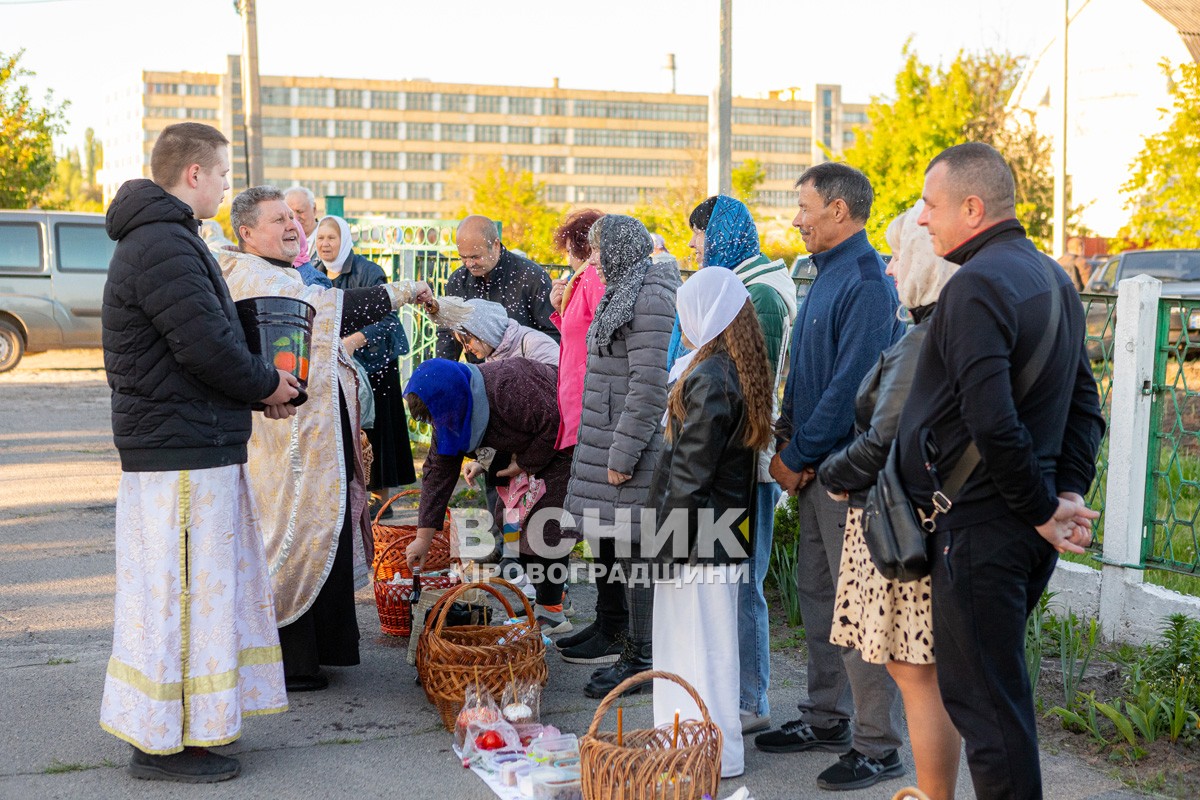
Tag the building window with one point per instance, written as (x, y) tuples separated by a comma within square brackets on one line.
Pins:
[(454, 102), (314, 158), (487, 133), (487, 104), (384, 160), (277, 157), (554, 135), (776, 198), (556, 194), (348, 129), (602, 137), (276, 96), (200, 89), (421, 190), (313, 97), (519, 135), (772, 144), (451, 160), (613, 109), (159, 112), (385, 190), (348, 98), (629, 166), (348, 159), (520, 105), (386, 100), (419, 131), (554, 164), (454, 133), (201, 113), (624, 195), (348, 188), (519, 163), (385, 130), (314, 127), (782, 117), (419, 101), (554, 107), (855, 118), (276, 126), (162, 88), (783, 172), (420, 161)]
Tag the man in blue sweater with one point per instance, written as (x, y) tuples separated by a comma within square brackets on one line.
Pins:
[(847, 320)]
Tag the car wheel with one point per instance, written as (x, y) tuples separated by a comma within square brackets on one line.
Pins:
[(12, 346)]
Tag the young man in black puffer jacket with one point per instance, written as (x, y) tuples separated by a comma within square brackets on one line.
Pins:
[(194, 638)]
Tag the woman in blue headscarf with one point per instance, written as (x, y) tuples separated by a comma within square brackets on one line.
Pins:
[(510, 406)]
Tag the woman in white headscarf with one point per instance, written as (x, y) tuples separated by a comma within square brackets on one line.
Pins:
[(890, 622), (378, 348), (718, 419)]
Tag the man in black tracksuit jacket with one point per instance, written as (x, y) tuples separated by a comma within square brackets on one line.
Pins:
[(992, 554)]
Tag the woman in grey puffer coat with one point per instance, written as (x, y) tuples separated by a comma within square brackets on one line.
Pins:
[(624, 399)]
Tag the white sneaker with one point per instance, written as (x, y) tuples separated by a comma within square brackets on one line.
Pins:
[(753, 723)]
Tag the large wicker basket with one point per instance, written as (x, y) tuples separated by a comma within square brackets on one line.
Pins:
[(451, 659), (396, 560), (645, 766), (393, 599)]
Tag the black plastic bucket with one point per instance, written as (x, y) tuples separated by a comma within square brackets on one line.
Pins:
[(279, 331)]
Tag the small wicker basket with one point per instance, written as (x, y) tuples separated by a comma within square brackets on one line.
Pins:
[(645, 766), (393, 599), (451, 659), (439, 549)]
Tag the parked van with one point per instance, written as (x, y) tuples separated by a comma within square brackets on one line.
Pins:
[(52, 270)]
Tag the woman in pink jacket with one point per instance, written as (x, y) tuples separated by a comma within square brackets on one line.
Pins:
[(574, 299)]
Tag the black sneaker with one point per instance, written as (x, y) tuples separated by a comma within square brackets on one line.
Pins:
[(798, 736), (856, 771), (578, 637), (193, 765), (599, 649)]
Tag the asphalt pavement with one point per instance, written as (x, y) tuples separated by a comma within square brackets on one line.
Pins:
[(372, 734)]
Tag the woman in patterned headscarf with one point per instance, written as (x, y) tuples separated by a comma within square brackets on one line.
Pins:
[(624, 397)]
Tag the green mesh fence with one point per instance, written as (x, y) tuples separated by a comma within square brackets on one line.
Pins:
[(1100, 311), (1173, 479)]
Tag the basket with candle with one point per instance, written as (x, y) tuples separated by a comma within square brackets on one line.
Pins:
[(679, 761)]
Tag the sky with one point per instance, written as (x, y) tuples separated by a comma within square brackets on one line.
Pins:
[(85, 50)]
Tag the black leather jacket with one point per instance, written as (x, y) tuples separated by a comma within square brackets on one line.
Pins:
[(705, 465), (877, 406)]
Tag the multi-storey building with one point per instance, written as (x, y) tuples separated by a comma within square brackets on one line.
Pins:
[(399, 147)]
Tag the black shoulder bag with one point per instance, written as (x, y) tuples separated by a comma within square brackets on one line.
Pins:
[(895, 531)]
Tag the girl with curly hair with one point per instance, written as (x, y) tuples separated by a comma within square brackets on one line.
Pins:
[(718, 420)]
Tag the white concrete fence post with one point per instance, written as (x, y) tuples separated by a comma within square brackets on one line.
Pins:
[(1128, 450)]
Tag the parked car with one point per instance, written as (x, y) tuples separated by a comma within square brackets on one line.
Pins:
[(1179, 271), (52, 270)]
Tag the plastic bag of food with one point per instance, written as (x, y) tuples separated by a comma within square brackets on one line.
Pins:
[(478, 707)]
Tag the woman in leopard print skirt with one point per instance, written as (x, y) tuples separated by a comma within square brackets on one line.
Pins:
[(887, 621)]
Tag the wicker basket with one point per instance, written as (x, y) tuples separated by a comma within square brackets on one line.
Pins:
[(645, 766), (394, 600), (451, 659), (384, 535)]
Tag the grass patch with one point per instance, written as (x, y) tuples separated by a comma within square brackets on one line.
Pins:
[(54, 662), (341, 741), (58, 767)]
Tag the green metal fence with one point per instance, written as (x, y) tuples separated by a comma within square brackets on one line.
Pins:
[(1173, 480), (1100, 311)]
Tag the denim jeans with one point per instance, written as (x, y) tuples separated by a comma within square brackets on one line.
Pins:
[(754, 635)]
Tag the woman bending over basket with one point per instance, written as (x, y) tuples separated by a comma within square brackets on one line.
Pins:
[(509, 406), (718, 419)]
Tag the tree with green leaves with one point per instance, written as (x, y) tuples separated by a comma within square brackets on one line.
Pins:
[(936, 107), (27, 130), (513, 198), (74, 187), (1162, 193)]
